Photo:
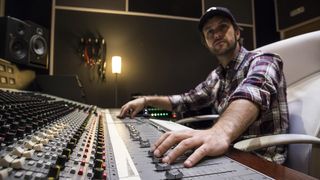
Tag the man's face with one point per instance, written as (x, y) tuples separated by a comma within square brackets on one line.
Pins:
[(220, 36)]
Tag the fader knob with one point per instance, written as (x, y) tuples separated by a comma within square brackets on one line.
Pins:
[(71, 146), (62, 159), (163, 166), (2, 121), (5, 128), (35, 125), (98, 163), (174, 174), (66, 152), (156, 159), (99, 149), (150, 153), (20, 133), (14, 126), (28, 129), (99, 155), (54, 172), (9, 137), (29, 119), (98, 173), (144, 143), (40, 123), (22, 123), (74, 140), (100, 143)]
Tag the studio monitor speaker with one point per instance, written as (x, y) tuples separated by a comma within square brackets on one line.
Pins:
[(23, 42)]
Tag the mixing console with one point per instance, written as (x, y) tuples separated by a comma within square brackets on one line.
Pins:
[(139, 133), (47, 137)]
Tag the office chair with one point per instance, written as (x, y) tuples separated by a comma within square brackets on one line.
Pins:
[(301, 56)]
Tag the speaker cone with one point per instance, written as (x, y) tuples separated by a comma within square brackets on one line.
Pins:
[(18, 48), (38, 45)]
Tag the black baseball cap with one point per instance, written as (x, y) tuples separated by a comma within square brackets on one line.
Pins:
[(216, 11)]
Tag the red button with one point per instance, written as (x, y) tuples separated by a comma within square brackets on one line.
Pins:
[(80, 172)]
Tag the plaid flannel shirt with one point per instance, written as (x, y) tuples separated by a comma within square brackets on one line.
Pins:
[(255, 76)]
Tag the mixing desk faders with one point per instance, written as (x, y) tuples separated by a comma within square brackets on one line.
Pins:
[(44, 137), (139, 133), (47, 137)]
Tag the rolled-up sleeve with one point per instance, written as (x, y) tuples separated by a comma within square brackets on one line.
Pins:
[(262, 81), (202, 96)]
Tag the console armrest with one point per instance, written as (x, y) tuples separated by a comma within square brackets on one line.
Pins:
[(272, 140), (198, 118)]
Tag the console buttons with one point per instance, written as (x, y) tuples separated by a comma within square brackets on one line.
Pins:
[(17, 151), (174, 174), (162, 166), (28, 175), (6, 160), (18, 163), (28, 154), (4, 173)]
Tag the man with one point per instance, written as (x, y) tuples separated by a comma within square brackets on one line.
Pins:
[(247, 89)]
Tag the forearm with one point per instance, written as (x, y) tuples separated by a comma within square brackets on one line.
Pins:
[(236, 119), (162, 102)]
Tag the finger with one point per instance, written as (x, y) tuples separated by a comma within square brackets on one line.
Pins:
[(124, 111), (159, 141), (167, 143), (196, 156), (134, 113), (121, 111), (180, 149)]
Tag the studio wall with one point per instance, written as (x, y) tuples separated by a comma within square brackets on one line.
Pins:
[(161, 54)]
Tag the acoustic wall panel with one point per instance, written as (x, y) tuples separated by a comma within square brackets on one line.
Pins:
[(242, 10), (190, 8), (98, 4), (292, 12)]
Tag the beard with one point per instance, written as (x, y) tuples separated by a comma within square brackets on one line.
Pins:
[(229, 49)]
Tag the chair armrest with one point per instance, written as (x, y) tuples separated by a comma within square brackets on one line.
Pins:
[(272, 140), (198, 118)]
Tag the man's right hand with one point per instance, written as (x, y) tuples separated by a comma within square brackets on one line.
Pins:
[(132, 108)]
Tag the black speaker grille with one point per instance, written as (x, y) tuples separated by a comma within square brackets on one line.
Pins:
[(23, 42), (18, 48)]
